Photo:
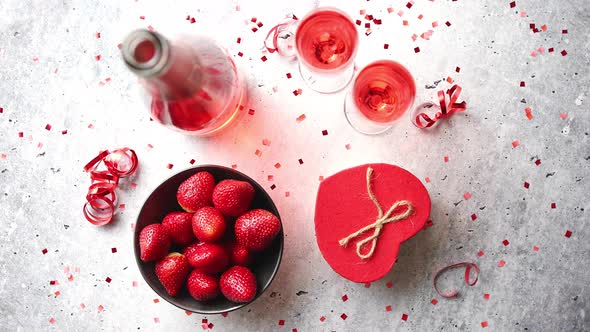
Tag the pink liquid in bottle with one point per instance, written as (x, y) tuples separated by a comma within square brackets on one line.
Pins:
[(192, 85)]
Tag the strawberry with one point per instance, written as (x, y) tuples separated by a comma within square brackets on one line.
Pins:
[(233, 197), (154, 242), (179, 227), (256, 229), (172, 271), (202, 286), (207, 257), (196, 191), (239, 255), (208, 224), (238, 284)]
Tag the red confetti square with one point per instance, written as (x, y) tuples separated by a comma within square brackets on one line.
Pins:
[(553, 206), (388, 308), (51, 320), (427, 179), (505, 243), (100, 308), (48, 127), (563, 53), (1, 110), (289, 75), (263, 58), (564, 31), (260, 24), (324, 132), (343, 316), (367, 25), (108, 280), (169, 166), (64, 132), (434, 301), (281, 322), (20, 134), (467, 195), (44, 251), (266, 142), (515, 143), (239, 40), (480, 253), (192, 162), (389, 284), (240, 54), (188, 313), (522, 84), (322, 319), (551, 49), (416, 49), (156, 301), (447, 23), (113, 250), (258, 153), (526, 185), (347, 146), (484, 324), (409, 5), (367, 284), (446, 159), (156, 320), (344, 298), (358, 22), (300, 118), (251, 111), (254, 29), (98, 57), (278, 165), (568, 234), (390, 10), (528, 112), (193, 20), (563, 116), (535, 248), (486, 296), (53, 282), (386, 46), (300, 161), (404, 317), (501, 263), (473, 217), (538, 162), (142, 17), (294, 330), (287, 194)]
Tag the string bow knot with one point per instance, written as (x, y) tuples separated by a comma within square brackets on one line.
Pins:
[(377, 226)]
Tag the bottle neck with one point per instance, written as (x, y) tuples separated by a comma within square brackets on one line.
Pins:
[(169, 71)]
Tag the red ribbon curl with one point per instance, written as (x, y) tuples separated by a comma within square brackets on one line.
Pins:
[(468, 266), (446, 110)]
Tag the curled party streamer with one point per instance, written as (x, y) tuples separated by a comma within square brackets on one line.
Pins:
[(105, 171)]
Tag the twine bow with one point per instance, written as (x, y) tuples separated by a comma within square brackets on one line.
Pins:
[(446, 110), (382, 219)]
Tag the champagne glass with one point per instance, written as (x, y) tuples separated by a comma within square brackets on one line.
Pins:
[(324, 42), (382, 92)]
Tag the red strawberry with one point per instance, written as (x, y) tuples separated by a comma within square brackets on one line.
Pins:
[(238, 284), (154, 242), (208, 225), (179, 227), (207, 257), (256, 229), (196, 191), (232, 197), (202, 286), (172, 271), (239, 255)]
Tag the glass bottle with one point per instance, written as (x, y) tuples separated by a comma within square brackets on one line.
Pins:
[(192, 84)]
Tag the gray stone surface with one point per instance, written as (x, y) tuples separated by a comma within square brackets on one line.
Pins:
[(49, 74)]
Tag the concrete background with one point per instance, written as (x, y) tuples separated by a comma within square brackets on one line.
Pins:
[(49, 75)]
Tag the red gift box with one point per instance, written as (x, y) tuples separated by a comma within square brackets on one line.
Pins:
[(358, 242)]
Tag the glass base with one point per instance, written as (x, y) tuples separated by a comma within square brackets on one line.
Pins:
[(360, 122), (326, 82)]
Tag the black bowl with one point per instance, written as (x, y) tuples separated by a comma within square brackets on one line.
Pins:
[(163, 200)]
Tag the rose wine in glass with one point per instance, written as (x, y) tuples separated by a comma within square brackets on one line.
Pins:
[(382, 92), (326, 41), (192, 85)]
